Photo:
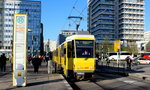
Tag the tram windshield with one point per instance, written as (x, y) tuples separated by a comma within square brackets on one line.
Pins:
[(84, 48)]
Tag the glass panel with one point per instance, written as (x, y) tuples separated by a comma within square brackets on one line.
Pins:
[(84, 48), (84, 52), (81, 43)]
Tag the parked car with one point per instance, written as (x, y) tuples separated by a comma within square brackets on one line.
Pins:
[(121, 56), (142, 61), (146, 57)]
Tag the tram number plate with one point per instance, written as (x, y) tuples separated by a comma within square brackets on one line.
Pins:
[(80, 73)]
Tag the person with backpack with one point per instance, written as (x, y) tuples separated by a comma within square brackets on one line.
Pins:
[(129, 61)]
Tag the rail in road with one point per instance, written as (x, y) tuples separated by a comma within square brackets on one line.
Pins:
[(104, 81)]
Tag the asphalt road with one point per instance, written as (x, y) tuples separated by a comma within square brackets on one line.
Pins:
[(104, 81)]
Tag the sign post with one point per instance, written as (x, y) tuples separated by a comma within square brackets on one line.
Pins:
[(117, 48), (20, 50)]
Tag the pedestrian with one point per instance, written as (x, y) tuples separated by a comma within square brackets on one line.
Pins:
[(129, 61), (36, 63), (96, 60), (0, 63), (46, 59), (3, 62), (108, 61)]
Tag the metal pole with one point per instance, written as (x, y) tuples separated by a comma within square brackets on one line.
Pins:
[(32, 46), (117, 57)]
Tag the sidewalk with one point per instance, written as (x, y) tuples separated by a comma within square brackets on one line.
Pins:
[(141, 73), (40, 81)]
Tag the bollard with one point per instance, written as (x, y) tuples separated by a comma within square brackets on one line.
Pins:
[(50, 67), (118, 67)]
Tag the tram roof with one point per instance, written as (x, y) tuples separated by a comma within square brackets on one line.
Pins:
[(73, 37)]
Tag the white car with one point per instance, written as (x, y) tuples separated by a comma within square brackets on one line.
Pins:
[(143, 61), (121, 57)]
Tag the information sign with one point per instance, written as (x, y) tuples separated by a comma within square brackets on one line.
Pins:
[(20, 50)]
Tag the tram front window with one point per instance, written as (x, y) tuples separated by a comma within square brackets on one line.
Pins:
[(84, 49)]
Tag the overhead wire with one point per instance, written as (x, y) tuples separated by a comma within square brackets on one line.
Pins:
[(80, 14), (84, 18), (70, 14)]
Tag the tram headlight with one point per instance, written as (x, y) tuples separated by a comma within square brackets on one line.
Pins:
[(78, 67), (91, 67)]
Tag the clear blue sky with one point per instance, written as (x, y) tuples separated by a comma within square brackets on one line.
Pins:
[(55, 13)]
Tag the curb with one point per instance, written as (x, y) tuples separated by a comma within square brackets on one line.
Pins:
[(67, 84)]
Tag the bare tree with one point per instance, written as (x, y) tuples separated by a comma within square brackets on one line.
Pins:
[(104, 47), (147, 47), (132, 47)]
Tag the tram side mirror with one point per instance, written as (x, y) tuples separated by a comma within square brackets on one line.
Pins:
[(65, 51)]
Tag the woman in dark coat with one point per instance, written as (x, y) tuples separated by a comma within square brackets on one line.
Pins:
[(36, 63), (3, 62)]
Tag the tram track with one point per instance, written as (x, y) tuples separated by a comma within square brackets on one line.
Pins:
[(107, 81), (84, 84)]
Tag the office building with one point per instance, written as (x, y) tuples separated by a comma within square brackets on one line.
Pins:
[(116, 19), (146, 35), (49, 46), (41, 40), (65, 33), (30, 7)]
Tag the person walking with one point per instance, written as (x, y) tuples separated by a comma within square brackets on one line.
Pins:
[(108, 61), (46, 59), (129, 61), (3, 62), (36, 63), (96, 60)]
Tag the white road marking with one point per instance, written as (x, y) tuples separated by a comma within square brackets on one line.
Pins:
[(129, 81)]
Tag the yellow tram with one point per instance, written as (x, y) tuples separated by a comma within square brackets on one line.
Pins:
[(76, 56)]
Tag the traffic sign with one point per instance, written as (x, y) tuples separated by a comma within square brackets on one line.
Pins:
[(116, 45)]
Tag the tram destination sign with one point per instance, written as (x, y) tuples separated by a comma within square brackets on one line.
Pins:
[(19, 50)]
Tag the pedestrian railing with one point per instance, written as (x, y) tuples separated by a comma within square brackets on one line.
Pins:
[(115, 67)]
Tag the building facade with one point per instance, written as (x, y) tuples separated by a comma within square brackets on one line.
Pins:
[(49, 46), (146, 35), (65, 33), (116, 19), (30, 7)]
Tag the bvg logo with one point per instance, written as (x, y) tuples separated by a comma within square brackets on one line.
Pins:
[(20, 20)]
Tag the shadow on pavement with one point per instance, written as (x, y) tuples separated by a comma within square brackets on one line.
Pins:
[(3, 74), (43, 82), (117, 70)]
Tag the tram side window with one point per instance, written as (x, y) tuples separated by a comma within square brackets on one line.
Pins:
[(57, 52), (62, 51), (70, 50), (73, 52)]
